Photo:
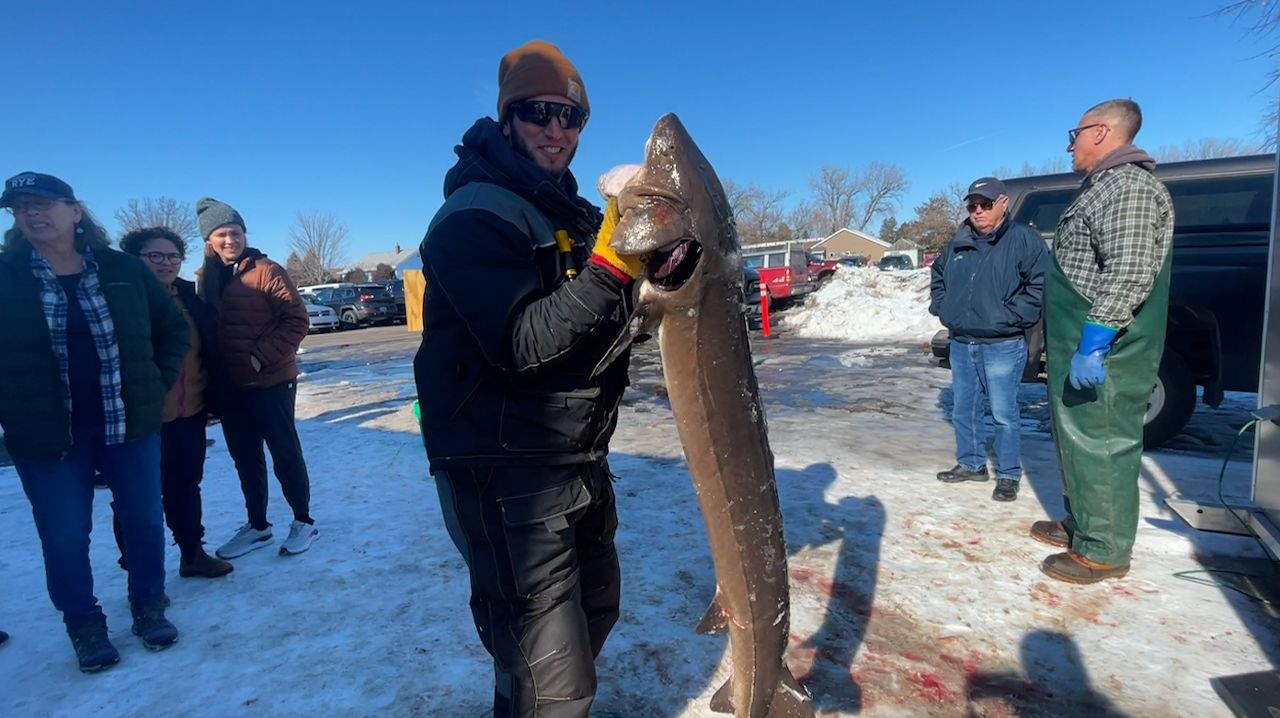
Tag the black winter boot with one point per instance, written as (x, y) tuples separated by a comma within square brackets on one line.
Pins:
[(152, 627), (93, 649)]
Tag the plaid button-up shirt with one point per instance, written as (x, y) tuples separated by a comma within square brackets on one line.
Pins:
[(94, 304), (1112, 241)]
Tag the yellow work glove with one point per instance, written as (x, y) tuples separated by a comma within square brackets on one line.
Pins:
[(629, 265)]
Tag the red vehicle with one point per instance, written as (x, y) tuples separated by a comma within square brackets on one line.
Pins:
[(784, 269), (820, 270)]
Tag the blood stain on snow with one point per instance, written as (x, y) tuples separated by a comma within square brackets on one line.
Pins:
[(1041, 592), (931, 686)]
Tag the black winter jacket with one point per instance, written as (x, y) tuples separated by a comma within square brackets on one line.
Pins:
[(513, 326), (993, 293), (207, 325), (151, 335)]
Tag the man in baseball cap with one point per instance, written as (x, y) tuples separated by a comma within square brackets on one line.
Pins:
[(986, 290)]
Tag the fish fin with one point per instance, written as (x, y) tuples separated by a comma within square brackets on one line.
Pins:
[(722, 701), (713, 622), (639, 325), (790, 699)]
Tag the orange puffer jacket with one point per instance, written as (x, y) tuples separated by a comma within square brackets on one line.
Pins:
[(260, 316)]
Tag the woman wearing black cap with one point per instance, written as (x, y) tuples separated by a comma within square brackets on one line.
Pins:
[(90, 343)]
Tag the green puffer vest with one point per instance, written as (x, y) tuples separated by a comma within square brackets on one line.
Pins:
[(150, 330)]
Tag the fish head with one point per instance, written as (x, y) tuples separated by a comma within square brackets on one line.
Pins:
[(675, 213)]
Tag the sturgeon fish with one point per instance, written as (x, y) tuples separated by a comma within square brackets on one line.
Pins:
[(674, 210)]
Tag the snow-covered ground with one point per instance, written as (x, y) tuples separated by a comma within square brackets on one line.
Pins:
[(864, 304), (909, 597)]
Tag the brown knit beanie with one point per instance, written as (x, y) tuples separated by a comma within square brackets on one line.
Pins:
[(538, 68)]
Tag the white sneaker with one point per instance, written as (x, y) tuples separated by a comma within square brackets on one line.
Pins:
[(301, 536), (247, 539)]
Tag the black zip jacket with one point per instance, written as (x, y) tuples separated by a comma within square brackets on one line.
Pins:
[(513, 325), (994, 293)]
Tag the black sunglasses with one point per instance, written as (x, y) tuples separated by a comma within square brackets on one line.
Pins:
[(986, 206), (541, 112), (1073, 134)]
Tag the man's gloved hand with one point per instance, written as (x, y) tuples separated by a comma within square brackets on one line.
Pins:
[(1087, 369), (627, 264)]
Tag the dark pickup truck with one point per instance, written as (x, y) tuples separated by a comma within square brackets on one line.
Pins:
[(1217, 295)]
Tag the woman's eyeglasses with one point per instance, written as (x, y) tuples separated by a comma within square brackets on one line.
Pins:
[(541, 112), (162, 257)]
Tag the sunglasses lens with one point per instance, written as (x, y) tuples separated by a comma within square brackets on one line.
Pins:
[(541, 112)]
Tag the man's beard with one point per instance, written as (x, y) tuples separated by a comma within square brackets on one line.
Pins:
[(522, 149)]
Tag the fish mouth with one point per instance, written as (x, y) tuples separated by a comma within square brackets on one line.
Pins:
[(670, 267)]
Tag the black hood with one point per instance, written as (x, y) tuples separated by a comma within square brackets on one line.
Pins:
[(486, 155)]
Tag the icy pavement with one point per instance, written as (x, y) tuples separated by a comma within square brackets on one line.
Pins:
[(909, 597)]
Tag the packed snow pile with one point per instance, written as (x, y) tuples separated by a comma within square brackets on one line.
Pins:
[(866, 304)]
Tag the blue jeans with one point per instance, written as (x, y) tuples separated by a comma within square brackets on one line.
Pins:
[(61, 496), (982, 372)]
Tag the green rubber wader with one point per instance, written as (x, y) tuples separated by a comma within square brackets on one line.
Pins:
[(1098, 431)]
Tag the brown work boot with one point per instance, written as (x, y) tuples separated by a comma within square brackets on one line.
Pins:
[(1052, 533), (1074, 568), (198, 563)]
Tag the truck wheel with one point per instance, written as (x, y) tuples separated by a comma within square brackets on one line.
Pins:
[(349, 320), (1172, 401)]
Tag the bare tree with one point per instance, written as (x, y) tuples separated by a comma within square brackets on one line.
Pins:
[(1051, 166), (1262, 18), (1205, 149), (757, 212), (834, 191), (956, 192), (159, 212), (880, 188), (805, 221), (383, 271), (320, 241), (845, 199)]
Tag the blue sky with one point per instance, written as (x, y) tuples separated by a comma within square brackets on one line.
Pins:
[(355, 108)]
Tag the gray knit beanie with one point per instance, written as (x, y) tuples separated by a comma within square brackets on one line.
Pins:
[(212, 214)]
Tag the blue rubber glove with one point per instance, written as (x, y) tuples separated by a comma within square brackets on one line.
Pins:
[(1087, 369)]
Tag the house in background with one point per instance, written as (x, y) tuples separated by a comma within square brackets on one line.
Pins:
[(844, 242), (399, 260), (910, 249)]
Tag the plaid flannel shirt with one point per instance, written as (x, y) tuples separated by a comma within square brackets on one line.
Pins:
[(89, 295), (1112, 241)]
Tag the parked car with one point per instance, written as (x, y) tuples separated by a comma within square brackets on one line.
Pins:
[(895, 261), (395, 288), (322, 318), (752, 302), (355, 307), (784, 269), (853, 260), (1217, 294), (821, 269)]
